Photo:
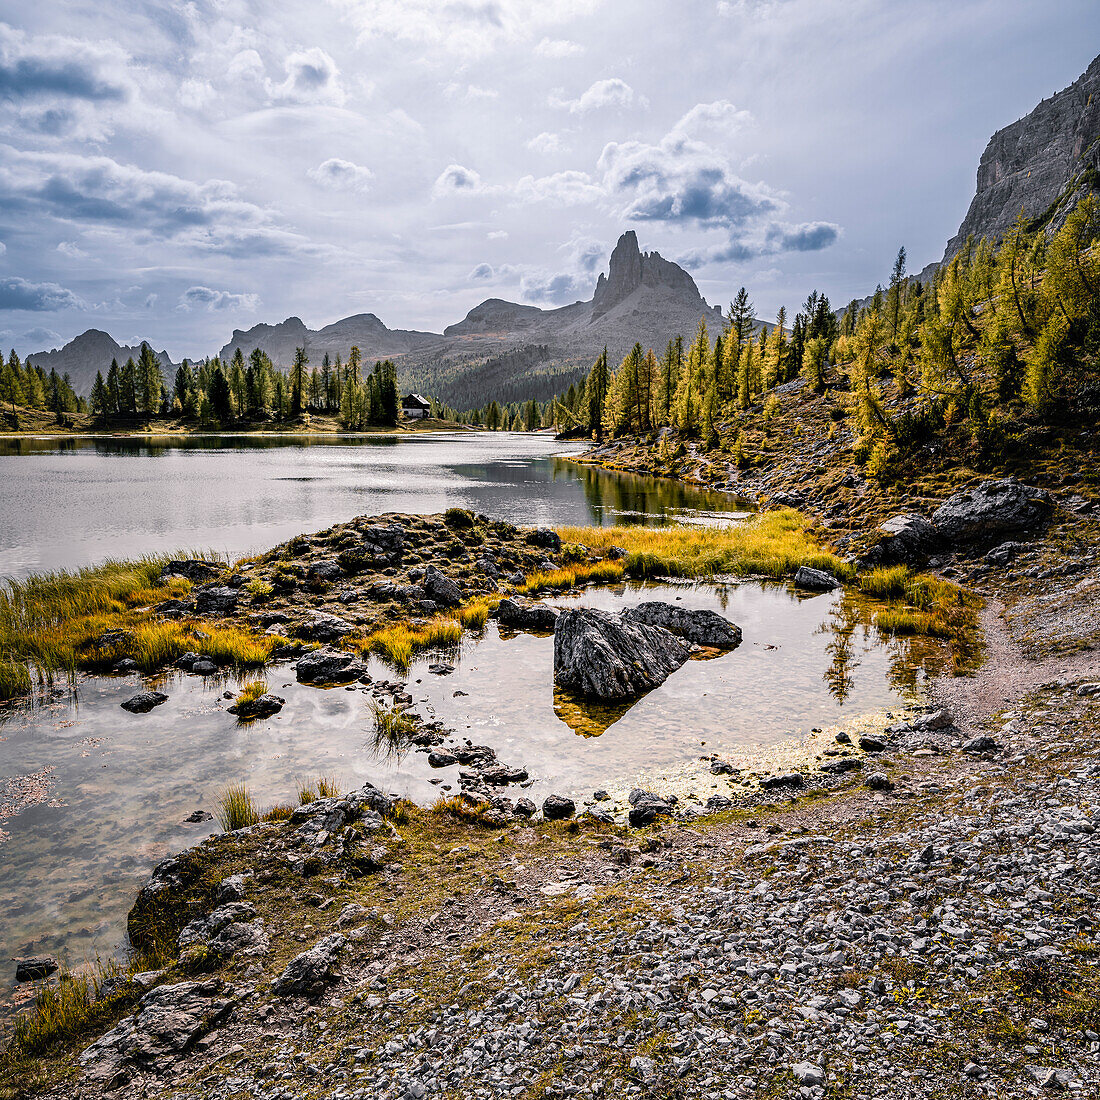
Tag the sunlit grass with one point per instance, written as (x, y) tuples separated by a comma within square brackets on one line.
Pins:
[(886, 582), (392, 729), (398, 643), (474, 615), (281, 811), (236, 808), (772, 544), (462, 808), (600, 572), (323, 786), (251, 691)]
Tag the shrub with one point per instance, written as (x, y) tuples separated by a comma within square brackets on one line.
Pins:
[(259, 590), (458, 518), (236, 808)]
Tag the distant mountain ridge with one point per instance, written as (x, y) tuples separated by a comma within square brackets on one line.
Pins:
[(89, 352)]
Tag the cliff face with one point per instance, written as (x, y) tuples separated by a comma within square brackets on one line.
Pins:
[(630, 268), (89, 352), (1041, 164)]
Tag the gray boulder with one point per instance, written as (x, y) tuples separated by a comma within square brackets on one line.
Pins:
[(646, 807), (191, 569), (557, 807), (216, 600), (263, 706), (788, 779), (230, 930), (34, 968), (987, 512), (309, 971), (545, 539), (525, 615), (907, 539), (327, 570), (815, 580), (701, 627), (328, 666), (602, 656), (144, 702), (323, 627), (441, 588), (169, 1020)]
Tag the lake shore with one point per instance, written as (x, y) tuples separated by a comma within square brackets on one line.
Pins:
[(473, 929)]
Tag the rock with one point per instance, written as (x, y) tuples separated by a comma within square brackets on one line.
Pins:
[(441, 759), (842, 738), (934, 720), (262, 706), (718, 802), (876, 781), (191, 569), (808, 1075), (199, 815), (34, 968), (307, 972), (389, 539), (231, 930), (216, 600), (990, 510), (328, 570), (204, 667), (1086, 690), (615, 553), (980, 744), (601, 656), (328, 666), (526, 615), (322, 627), (501, 774), (524, 807), (127, 664), (844, 764), (815, 580), (350, 914), (144, 702), (646, 807), (187, 661), (230, 888), (907, 539), (789, 779), (441, 588), (721, 767), (556, 807), (701, 627), (169, 1020), (544, 538), (872, 744)]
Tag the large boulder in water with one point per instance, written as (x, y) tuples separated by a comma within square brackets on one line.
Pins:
[(990, 510), (328, 666), (603, 656), (525, 615), (701, 627)]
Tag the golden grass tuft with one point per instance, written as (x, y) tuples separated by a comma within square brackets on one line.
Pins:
[(323, 786), (281, 811), (236, 808), (473, 615), (252, 690), (772, 544), (462, 808), (392, 729), (398, 643)]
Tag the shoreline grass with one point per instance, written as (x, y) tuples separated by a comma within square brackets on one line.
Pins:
[(236, 808)]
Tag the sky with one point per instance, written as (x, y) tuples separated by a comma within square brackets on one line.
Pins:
[(172, 170)]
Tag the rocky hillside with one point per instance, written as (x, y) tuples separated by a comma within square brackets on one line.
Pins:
[(1041, 164), (89, 352)]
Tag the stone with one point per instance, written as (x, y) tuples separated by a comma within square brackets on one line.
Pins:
[(933, 720), (1086, 690), (204, 667), (986, 512), (231, 930), (557, 807), (815, 580), (441, 588), (616, 553), (701, 627), (524, 807), (526, 615), (262, 706), (169, 1021), (35, 968), (808, 1075), (327, 570), (876, 781), (144, 702), (907, 539), (844, 764), (718, 802), (441, 759), (310, 970), (323, 627), (501, 774), (646, 807), (982, 743), (328, 666), (599, 655), (198, 815), (872, 744), (545, 538), (191, 569), (216, 600), (788, 779)]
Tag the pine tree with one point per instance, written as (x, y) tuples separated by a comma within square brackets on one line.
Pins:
[(127, 389), (11, 389), (99, 396), (149, 382), (894, 295), (298, 381), (599, 381)]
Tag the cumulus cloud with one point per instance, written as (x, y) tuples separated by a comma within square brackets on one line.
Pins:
[(612, 92), (721, 116), (146, 206), (72, 250), (482, 273), (457, 180), (311, 77), (558, 289), (54, 66), (341, 175), (3, 248), (17, 293), (569, 188), (43, 339), (203, 297), (585, 253), (497, 234), (558, 48), (547, 143), (468, 93)]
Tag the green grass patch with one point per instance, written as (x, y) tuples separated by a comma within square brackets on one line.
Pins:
[(392, 729), (236, 808)]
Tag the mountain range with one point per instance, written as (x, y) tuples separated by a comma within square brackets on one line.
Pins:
[(1040, 164)]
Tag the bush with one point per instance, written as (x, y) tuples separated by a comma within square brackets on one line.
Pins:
[(459, 518)]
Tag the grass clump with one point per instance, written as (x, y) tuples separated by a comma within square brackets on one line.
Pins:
[(772, 544), (251, 691), (281, 811), (398, 643), (259, 590), (600, 572), (462, 807), (474, 615), (886, 582), (324, 786), (392, 729), (459, 518), (236, 808)]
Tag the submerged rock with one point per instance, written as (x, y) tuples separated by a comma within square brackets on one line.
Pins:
[(144, 702), (525, 615), (992, 509), (815, 580), (701, 627), (601, 656), (35, 968)]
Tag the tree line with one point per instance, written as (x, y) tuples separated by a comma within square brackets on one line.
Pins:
[(30, 387)]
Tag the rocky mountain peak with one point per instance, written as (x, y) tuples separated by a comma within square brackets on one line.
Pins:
[(630, 268)]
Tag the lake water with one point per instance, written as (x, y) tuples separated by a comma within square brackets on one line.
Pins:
[(66, 503)]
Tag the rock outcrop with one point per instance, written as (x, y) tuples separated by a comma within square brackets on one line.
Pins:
[(701, 627), (603, 656), (990, 510), (1042, 163)]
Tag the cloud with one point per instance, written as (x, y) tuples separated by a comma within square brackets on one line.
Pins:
[(200, 297), (43, 338), (17, 293), (70, 249), (497, 234), (53, 66), (559, 289), (547, 143), (482, 273), (144, 206), (569, 188), (558, 48), (151, 300), (585, 253), (3, 248), (341, 175), (612, 92), (460, 27), (468, 93), (721, 116), (311, 77), (457, 180)]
